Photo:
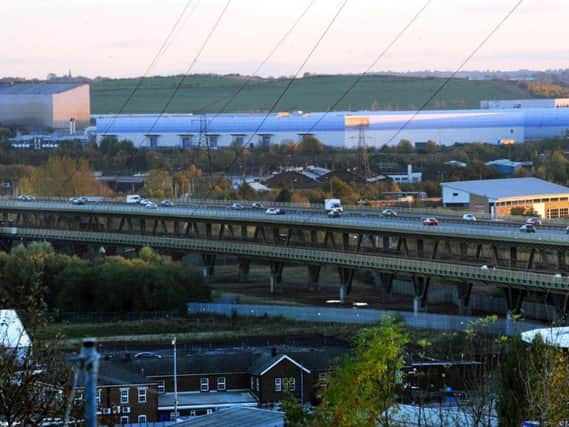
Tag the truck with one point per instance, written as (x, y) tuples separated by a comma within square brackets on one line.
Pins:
[(330, 204)]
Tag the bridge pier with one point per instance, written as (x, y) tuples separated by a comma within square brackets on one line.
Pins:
[(276, 276), (244, 267), (386, 280), (346, 278), (209, 265), (464, 293), (421, 288), (561, 304), (314, 276), (514, 300)]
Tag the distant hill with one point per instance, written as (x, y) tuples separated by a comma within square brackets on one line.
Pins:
[(208, 93)]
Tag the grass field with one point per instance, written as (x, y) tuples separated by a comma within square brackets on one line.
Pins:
[(209, 93)]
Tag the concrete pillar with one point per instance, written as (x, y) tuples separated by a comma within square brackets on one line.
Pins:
[(276, 275), (244, 266), (314, 276), (208, 265), (416, 305), (342, 293), (272, 282)]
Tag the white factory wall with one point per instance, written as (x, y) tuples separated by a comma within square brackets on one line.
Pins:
[(451, 195)]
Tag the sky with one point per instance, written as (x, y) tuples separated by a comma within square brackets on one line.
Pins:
[(120, 38)]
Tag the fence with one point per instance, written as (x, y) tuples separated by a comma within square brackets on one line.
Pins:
[(359, 315)]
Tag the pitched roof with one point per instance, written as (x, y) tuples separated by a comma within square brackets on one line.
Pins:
[(264, 364), (36, 88), (508, 187), (237, 416)]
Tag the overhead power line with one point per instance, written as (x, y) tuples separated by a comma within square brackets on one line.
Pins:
[(460, 67), (261, 64), (163, 48), (292, 79), (191, 66), (372, 65)]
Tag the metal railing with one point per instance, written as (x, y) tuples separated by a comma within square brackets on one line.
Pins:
[(497, 276)]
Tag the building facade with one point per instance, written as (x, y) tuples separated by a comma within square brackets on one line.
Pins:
[(41, 106), (500, 196)]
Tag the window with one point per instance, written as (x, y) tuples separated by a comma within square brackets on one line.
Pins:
[(278, 384), (212, 141), (257, 383), (78, 398), (186, 141), (193, 413), (124, 420), (239, 139), (153, 141), (162, 387), (323, 377), (221, 383), (265, 140), (563, 212), (142, 419), (209, 411), (98, 397), (124, 395), (142, 395), (204, 384), (290, 384)]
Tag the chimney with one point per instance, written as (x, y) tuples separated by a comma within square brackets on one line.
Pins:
[(409, 172), (71, 126)]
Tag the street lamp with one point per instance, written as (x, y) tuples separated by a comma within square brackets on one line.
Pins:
[(175, 382)]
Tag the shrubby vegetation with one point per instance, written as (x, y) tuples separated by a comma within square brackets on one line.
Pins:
[(113, 284)]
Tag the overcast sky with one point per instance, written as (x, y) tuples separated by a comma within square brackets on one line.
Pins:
[(119, 38)]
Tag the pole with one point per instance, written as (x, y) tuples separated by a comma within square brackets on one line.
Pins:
[(90, 359), (175, 382)]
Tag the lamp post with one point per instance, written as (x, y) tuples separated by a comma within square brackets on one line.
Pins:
[(175, 382)]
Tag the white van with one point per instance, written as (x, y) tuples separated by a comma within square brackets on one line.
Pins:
[(133, 198)]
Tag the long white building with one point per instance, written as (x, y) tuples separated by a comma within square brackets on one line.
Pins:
[(337, 129)]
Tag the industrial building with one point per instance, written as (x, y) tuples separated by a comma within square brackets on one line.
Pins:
[(42, 106), (499, 196), (336, 129), (525, 103)]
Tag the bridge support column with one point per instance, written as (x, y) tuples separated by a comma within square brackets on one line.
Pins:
[(513, 256), (209, 265), (276, 276), (514, 300), (420, 248), (561, 303), (386, 280), (421, 288), (464, 292), (244, 266), (346, 278), (531, 258), (314, 276), (561, 259)]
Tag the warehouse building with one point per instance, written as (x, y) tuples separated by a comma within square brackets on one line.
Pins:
[(41, 106), (499, 196), (336, 129), (525, 103)]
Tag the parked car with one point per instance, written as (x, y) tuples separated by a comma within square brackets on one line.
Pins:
[(533, 221), (430, 221), (147, 355), (468, 217), (527, 228), (335, 213), (237, 206), (389, 212), (167, 203), (274, 211), (257, 205), (151, 205)]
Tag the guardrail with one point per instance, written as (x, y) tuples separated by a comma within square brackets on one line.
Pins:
[(499, 276), (470, 231), (359, 315)]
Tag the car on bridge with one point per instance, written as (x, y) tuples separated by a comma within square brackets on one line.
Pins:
[(468, 217), (430, 221), (257, 205), (533, 221), (335, 213), (274, 211), (527, 228), (167, 203), (389, 212), (237, 206), (26, 197), (77, 201), (150, 205)]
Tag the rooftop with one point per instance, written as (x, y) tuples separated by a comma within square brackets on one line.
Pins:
[(237, 416), (552, 336), (36, 88), (508, 187), (12, 331), (198, 400)]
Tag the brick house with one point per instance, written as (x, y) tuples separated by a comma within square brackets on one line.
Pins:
[(142, 390)]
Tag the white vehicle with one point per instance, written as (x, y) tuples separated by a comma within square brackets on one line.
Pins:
[(133, 198), (237, 206), (468, 217), (335, 213), (274, 211), (150, 205), (389, 212), (330, 204)]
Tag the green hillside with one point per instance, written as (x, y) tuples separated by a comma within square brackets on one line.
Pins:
[(208, 93)]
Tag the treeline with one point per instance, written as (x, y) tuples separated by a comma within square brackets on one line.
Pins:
[(35, 277)]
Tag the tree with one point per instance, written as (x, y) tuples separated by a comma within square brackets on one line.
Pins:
[(158, 184), (342, 190), (284, 196), (405, 147), (512, 400), (363, 392), (63, 176), (311, 146), (431, 146)]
